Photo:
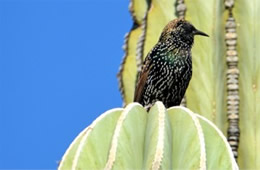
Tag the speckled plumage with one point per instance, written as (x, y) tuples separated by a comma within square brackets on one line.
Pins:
[(167, 70)]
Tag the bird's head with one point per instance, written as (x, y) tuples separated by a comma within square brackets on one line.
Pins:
[(180, 30)]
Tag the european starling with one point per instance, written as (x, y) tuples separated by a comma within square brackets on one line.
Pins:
[(167, 69)]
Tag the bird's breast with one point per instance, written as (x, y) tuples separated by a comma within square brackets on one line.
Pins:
[(172, 70)]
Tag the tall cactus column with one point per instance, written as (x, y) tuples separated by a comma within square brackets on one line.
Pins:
[(232, 80)]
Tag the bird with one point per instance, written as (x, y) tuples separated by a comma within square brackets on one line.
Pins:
[(167, 69)]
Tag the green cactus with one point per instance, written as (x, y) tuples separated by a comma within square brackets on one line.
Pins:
[(246, 14), (222, 90), (163, 139)]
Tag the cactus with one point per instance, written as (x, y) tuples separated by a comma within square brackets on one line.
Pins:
[(130, 138), (246, 14), (128, 71), (222, 89)]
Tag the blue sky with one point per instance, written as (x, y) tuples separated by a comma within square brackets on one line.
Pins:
[(58, 65)]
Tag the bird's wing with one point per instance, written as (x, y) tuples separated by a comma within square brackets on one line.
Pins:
[(139, 90)]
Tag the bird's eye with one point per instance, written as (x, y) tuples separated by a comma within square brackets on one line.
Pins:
[(188, 28)]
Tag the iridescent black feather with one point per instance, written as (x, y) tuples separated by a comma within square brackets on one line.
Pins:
[(167, 70)]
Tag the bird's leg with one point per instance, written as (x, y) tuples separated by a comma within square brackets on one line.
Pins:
[(147, 108)]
